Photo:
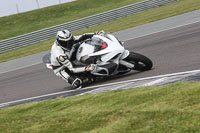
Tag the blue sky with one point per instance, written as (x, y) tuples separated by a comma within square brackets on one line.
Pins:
[(8, 7)]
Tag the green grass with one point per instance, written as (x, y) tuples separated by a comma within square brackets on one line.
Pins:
[(22, 23), (168, 108), (151, 15)]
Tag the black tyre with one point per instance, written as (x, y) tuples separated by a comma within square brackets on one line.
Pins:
[(141, 62)]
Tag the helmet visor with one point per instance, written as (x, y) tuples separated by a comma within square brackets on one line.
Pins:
[(66, 44)]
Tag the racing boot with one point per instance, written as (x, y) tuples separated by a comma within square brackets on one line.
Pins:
[(76, 83)]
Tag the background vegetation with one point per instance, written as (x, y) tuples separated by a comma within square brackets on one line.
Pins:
[(22, 23)]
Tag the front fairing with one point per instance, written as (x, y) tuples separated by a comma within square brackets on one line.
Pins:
[(114, 48), (95, 49)]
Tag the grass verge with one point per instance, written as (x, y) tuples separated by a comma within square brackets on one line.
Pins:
[(22, 23), (144, 17), (168, 108)]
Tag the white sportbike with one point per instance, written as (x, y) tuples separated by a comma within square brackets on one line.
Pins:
[(110, 57)]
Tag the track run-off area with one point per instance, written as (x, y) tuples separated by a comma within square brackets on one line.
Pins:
[(172, 51)]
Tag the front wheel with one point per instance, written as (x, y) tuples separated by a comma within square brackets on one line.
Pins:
[(141, 62)]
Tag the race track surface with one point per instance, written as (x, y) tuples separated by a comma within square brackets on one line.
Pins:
[(171, 51)]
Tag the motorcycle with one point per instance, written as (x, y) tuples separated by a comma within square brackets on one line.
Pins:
[(109, 55)]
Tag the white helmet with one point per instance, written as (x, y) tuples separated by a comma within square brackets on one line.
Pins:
[(65, 39)]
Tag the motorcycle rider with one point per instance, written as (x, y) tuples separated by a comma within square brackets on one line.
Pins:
[(61, 55)]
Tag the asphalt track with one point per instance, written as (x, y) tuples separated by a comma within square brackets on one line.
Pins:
[(171, 51)]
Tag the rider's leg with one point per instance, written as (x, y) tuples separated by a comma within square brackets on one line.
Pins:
[(69, 77)]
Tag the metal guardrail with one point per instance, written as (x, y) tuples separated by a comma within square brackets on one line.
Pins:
[(44, 34)]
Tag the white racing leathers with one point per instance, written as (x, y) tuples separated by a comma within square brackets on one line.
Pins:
[(60, 60)]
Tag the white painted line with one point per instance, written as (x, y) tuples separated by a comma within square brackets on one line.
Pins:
[(147, 78), (155, 81), (21, 67), (109, 89), (15, 64), (32, 98), (97, 86), (121, 86), (163, 30)]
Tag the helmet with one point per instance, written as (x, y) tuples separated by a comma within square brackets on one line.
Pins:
[(65, 39)]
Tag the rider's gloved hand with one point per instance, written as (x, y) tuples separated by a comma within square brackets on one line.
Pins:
[(100, 33), (90, 67)]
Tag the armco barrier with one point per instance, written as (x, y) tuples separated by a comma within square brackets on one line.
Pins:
[(44, 34)]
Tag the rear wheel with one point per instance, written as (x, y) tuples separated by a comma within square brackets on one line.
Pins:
[(141, 62)]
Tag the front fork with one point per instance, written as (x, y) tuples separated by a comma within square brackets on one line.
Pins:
[(125, 63)]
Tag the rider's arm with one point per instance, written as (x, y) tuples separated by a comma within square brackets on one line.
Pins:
[(87, 36), (83, 37), (64, 60)]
